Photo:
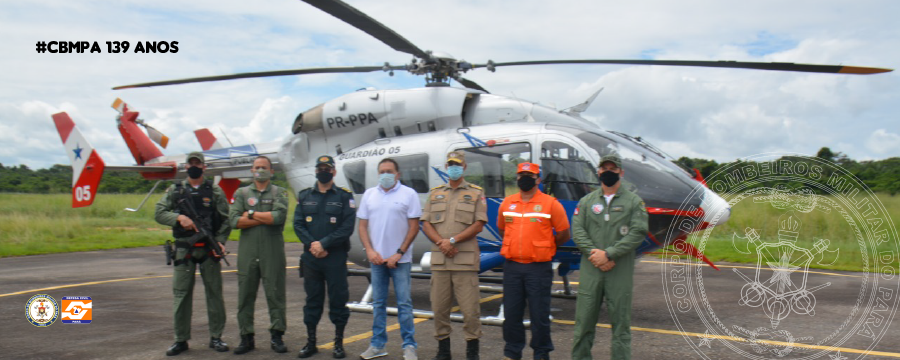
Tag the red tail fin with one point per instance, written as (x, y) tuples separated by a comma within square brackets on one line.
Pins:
[(142, 148), (87, 166), (207, 139)]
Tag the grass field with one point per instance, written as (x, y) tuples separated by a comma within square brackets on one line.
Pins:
[(42, 224), (32, 224), (815, 225)]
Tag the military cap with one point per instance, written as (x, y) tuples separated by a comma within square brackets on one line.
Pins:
[(458, 157), (196, 155), (611, 157), (325, 159), (529, 167)]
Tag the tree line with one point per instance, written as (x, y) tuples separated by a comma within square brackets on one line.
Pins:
[(878, 175)]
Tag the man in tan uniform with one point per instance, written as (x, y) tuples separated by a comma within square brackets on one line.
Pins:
[(454, 214)]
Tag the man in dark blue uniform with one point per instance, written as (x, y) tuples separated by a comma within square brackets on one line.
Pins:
[(323, 221)]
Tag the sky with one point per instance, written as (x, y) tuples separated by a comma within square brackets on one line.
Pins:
[(720, 114)]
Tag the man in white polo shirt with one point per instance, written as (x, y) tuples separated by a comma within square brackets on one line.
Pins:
[(388, 222)]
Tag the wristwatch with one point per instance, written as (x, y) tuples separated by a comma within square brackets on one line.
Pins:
[(401, 252), (250, 214), (452, 240)]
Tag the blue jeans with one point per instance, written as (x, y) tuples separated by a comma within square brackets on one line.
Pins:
[(381, 276)]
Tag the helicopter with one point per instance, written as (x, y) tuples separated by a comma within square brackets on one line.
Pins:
[(418, 127)]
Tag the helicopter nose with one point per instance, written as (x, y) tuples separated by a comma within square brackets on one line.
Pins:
[(716, 210)]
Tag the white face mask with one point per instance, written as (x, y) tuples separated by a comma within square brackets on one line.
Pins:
[(386, 180)]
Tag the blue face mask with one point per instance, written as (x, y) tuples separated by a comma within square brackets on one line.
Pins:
[(455, 172), (386, 180)]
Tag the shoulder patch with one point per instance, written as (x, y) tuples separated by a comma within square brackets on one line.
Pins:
[(346, 189), (476, 186), (435, 188)]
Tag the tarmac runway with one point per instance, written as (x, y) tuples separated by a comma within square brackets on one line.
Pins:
[(132, 313)]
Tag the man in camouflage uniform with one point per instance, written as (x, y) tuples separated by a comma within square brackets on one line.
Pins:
[(323, 220), (210, 202), (259, 210), (454, 214), (608, 226)]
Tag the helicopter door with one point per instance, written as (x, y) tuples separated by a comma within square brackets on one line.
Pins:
[(494, 168), (568, 170)]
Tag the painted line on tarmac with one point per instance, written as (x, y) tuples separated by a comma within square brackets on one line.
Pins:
[(367, 334), (738, 339), (417, 320), (748, 267), (105, 282)]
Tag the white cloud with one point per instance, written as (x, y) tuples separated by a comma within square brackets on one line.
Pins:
[(712, 113), (883, 142)]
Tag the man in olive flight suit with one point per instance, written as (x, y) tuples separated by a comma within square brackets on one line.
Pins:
[(454, 214), (608, 225), (323, 221), (259, 210), (210, 202)]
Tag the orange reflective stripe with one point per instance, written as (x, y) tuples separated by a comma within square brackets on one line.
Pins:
[(528, 227)]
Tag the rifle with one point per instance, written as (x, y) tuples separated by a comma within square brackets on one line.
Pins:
[(203, 226)]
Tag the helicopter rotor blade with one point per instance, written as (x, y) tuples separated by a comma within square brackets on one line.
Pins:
[(470, 84), (360, 20), (833, 69), (327, 70)]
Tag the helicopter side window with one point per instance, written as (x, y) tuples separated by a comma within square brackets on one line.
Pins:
[(568, 175), (414, 171), (494, 168), (356, 176)]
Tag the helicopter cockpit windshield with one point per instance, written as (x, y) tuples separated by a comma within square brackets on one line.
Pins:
[(646, 171)]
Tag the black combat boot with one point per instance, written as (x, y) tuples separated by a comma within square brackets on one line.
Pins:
[(310, 348), (177, 348), (472, 349), (338, 352), (443, 350), (277, 344), (246, 345), (218, 344)]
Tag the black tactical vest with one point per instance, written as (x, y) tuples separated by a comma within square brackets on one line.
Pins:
[(204, 203)]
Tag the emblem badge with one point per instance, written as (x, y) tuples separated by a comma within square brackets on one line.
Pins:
[(333, 220), (252, 201), (576, 211), (512, 207), (309, 219), (323, 159), (439, 197), (77, 309), (537, 208), (623, 230), (597, 208), (41, 310), (352, 204), (467, 197), (526, 167)]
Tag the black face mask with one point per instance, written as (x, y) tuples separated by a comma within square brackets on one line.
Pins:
[(324, 177), (526, 183), (195, 172), (609, 178)]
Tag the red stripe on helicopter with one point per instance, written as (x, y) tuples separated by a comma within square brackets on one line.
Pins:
[(673, 212)]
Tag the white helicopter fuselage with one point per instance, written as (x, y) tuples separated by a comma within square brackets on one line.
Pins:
[(418, 127)]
